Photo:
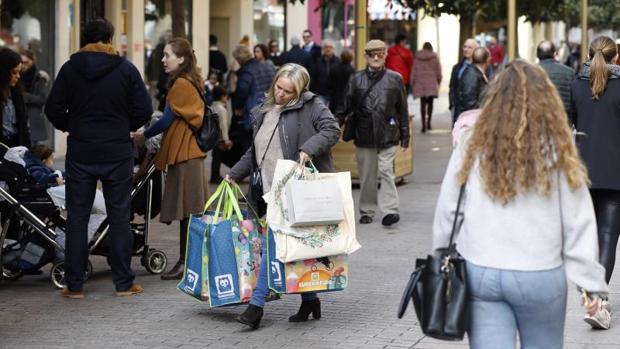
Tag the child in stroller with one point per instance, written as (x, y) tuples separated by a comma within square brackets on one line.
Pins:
[(33, 224)]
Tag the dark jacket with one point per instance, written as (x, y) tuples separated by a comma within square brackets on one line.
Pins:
[(306, 126), (98, 97), (471, 87), (254, 80), (217, 61), (319, 83), (562, 77), (382, 118), (297, 55), (338, 82), (37, 169), (315, 52), (454, 83), (598, 124), (36, 86), (23, 131)]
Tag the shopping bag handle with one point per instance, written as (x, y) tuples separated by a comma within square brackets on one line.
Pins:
[(232, 202), (216, 195)]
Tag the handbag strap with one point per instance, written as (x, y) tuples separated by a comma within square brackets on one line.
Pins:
[(268, 144), (452, 248), (204, 100), (367, 92)]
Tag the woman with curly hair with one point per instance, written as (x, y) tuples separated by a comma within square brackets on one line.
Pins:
[(529, 221)]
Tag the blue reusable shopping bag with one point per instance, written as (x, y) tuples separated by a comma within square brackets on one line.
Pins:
[(277, 280), (192, 282), (221, 258), (223, 274)]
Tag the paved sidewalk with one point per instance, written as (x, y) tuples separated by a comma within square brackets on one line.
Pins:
[(33, 315)]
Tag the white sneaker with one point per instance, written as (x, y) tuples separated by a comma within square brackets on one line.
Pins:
[(601, 320)]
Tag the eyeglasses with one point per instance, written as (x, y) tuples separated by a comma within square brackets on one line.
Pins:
[(373, 54), (305, 36)]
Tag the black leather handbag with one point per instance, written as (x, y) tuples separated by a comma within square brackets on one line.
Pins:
[(438, 290), (256, 179)]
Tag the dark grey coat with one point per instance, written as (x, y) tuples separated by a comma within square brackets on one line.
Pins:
[(35, 100), (562, 77), (598, 126), (306, 126)]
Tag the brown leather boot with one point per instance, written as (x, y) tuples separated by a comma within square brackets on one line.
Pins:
[(176, 273)]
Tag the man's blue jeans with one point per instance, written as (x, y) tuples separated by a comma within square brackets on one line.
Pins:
[(506, 302), (262, 288)]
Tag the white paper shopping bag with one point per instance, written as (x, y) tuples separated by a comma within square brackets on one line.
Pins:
[(315, 241), (317, 202)]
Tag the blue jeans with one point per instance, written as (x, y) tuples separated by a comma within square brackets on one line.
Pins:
[(262, 284), (506, 302)]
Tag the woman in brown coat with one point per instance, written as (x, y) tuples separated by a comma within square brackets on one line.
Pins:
[(186, 186), (425, 78)]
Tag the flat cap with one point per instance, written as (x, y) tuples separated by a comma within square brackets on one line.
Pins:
[(375, 45)]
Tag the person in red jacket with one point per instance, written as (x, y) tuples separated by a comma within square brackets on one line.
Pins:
[(400, 59)]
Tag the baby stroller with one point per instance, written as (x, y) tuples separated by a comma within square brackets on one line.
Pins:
[(33, 226)]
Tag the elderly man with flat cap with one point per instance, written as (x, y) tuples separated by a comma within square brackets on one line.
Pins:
[(377, 121)]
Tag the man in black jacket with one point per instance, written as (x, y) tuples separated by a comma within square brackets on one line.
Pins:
[(297, 55), (473, 82), (217, 60), (98, 98), (560, 75), (376, 104), (319, 83), (457, 72)]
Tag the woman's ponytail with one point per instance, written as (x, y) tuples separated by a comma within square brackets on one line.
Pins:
[(602, 50)]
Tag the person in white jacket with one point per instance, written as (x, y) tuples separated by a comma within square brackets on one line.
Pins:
[(528, 220)]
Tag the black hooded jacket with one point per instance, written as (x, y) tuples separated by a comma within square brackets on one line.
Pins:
[(98, 98)]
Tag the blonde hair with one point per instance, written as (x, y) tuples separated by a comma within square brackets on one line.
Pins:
[(299, 77), (242, 54), (522, 137), (602, 50)]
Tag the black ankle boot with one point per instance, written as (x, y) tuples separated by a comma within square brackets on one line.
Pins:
[(251, 316), (307, 307)]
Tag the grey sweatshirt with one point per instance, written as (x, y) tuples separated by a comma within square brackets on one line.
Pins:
[(532, 232)]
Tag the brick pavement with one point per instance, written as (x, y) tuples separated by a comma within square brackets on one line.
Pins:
[(33, 315)]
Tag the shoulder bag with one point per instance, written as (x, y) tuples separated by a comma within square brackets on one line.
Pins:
[(438, 289)]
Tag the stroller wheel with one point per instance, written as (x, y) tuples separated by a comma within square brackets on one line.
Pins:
[(57, 273), (11, 275), (155, 261)]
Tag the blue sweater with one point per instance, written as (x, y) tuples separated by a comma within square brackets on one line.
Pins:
[(37, 169)]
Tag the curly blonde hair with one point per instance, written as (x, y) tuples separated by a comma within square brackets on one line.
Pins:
[(522, 136)]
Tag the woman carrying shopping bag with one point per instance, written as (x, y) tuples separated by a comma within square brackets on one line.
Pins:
[(292, 124), (186, 180), (528, 218)]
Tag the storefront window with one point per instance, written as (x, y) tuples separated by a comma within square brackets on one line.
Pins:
[(29, 24), (269, 22), (389, 18), (338, 24)]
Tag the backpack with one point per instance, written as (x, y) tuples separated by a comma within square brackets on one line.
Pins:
[(208, 134)]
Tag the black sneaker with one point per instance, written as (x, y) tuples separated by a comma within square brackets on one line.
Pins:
[(390, 219), (365, 219)]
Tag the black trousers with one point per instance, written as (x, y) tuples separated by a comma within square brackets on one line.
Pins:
[(607, 209), (81, 183)]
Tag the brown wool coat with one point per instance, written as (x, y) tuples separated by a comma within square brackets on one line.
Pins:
[(178, 142)]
